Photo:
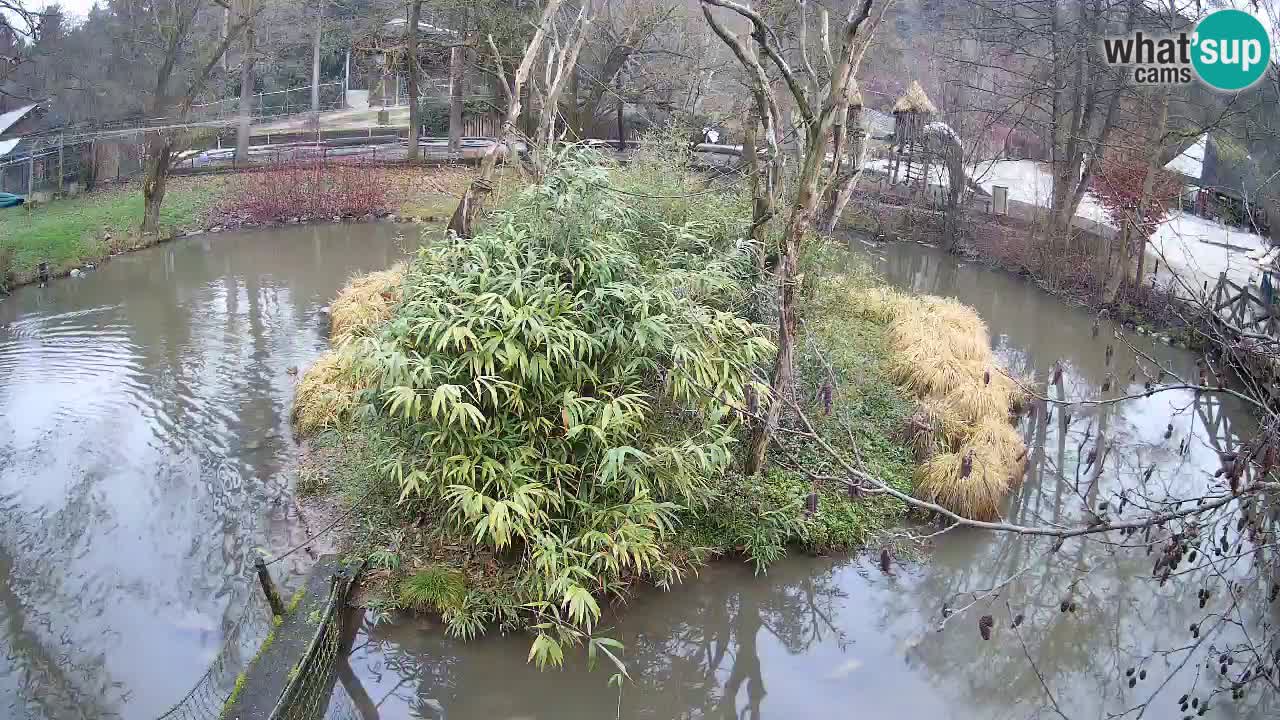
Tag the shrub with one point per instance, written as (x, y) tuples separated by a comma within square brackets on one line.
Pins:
[(559, 400), (1118, 186), (308, 188), (435, 588)]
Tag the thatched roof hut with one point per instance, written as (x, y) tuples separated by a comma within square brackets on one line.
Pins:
[(915, 101)]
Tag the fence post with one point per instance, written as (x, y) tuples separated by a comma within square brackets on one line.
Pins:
[(31, 175), (62, 175), (268, 587)]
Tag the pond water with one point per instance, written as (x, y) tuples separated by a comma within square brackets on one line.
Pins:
[(144, 452), (835, 637)]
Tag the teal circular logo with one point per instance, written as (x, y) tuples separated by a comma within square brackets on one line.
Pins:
[(1232, 50)]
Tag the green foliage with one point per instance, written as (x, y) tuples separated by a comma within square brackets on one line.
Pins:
[(384, 559), (556, 399), (296, 599), (235, 694), (760, 517), (435, 588)]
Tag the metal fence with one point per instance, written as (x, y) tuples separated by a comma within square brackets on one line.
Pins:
[(278, 103), (48, 166)]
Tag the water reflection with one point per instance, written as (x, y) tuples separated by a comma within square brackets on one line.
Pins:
[(835, 637), (144, 444)]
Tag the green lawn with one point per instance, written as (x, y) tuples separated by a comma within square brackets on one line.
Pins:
[(71, 232)]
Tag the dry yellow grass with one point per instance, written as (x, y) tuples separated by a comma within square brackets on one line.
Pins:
[(941, 354), (328, 390), (366, 302), (326, 393)]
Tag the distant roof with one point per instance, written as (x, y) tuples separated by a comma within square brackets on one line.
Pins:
[(423, 27), (7, 120), (915, 100), (7, 145), (1190, 162)]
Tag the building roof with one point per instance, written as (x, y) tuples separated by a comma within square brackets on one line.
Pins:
[(1190, 162), (7, 145), (9, 119), (914, 100)]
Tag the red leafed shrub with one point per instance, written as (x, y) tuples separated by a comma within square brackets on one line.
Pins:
[(1118, 185), (308, 189)]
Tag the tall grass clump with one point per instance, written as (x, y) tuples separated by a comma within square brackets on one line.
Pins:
[(329, 390), (556, 399), (940, 353), (366, 302)]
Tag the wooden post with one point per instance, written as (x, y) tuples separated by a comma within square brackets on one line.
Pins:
[(269, 587), (31, 174), (62, 175)]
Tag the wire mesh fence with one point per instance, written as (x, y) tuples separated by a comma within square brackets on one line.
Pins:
[(277, 103), (207, 699), (311, 682)]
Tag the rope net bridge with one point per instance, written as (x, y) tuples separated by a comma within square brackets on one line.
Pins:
[(282, 658)]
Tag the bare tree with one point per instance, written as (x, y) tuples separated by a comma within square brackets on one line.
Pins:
[(561, 62), (473, 199), (166, 34), (817, 105)]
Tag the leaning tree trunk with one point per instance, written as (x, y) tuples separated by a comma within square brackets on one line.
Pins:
[(1154, 146), (806, 203)]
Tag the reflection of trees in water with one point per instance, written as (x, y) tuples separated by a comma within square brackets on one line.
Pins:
[(193, 422), (1125, 617), (694, 653), (45, 664)]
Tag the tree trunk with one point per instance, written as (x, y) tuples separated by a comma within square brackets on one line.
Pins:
[(806, 202), (758, 202), (1155, 142), (246, 91), (315, 64), (1117, 264), (411, 50), (1133, 234), (457, 56), (622, 127), (851, 170), (575, 108), (159, 150), (473, 199)]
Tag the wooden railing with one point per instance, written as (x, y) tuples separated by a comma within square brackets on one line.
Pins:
[(1242, 308)]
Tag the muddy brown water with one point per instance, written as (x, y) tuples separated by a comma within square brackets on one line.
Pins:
[(145, 452)]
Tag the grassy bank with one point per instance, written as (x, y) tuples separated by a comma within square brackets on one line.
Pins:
[(72, 232), (85, 229)]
